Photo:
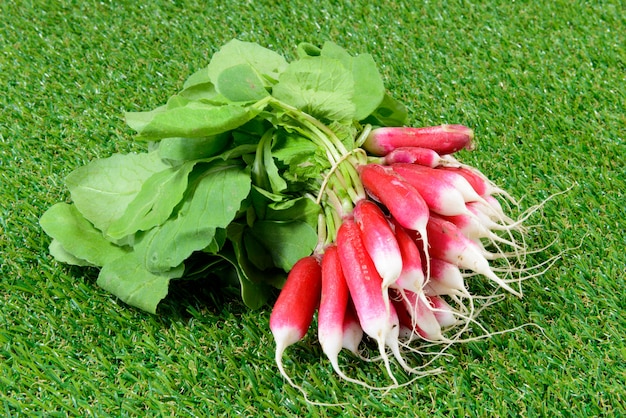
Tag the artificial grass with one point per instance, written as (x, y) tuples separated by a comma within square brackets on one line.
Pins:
[(543, 86)]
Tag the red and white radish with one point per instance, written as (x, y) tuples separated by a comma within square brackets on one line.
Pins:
[(332, 311), (379, 240), (445, 314), (444, 139), (440, 196), (352, 331), (412, 275), (402, 200), (449, 244), (414, 155), (378, 320), (294, 309)]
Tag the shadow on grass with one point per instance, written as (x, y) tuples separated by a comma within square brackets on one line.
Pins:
[(198, 297)]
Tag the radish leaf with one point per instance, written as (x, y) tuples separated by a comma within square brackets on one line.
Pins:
[(154, 203), (103, 189), (183, 149), (127, 279), (189, 119), (266, 63), (241, 83), (75, 239), (287, 242), (370, 89), (212, 203), (320, 86)]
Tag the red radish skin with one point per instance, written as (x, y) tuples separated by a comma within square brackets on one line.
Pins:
[(470, 226), (443, 139), (379, 240), (404, 203), (423, 318), (453, 179), (294, 309), (445, 279), (332, 310), (378, 320), (414, 155), (444, 313), (475, 229), (333, 303), (412, 276), (440, 196), (479, 182), (449, 244)]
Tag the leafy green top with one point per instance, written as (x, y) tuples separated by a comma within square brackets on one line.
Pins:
[(246, 170)]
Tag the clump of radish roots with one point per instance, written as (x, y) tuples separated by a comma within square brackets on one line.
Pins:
[(401, 261)]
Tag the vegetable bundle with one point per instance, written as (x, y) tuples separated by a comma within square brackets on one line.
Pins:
[(303, 176)]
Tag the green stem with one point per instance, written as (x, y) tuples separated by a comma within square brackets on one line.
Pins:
[(314, 124)]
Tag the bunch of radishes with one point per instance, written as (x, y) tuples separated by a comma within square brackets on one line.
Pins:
[(395, 265)]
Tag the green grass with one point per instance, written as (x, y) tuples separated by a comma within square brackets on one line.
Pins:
[(543, 85)]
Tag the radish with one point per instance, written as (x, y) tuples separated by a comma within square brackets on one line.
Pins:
[(445, 279), (443, 139), (444, 313), (332, 311), (333, 304), (453, 179), (352, 331), (404, 318), (423, 318), (402, 200), (294, 309), (378, 320), (440, 196), (413, 155), (475, 229), (491, 209), (449, 244), (379, 240), (479, 182), (412, 275)]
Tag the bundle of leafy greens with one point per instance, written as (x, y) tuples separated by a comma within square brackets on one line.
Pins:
[(233, 180)]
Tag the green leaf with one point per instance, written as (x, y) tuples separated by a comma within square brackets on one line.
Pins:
[(253, 294), (217, 243), (256, 253), (200, 77), (187, 149), (290, 146), (320, 86), (193, 119), (126, 278), (307, 49), (154, 203), (303, 209), (103, 189), (369, 88), (241, 83), (255, 284), (211, 203), (390, 112), (63, 256), (198, 86), (287, 242), (302, 164), (267, 64), (75, 240)]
